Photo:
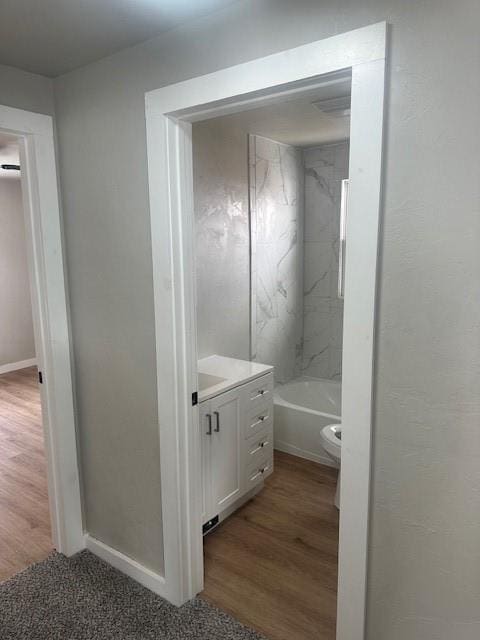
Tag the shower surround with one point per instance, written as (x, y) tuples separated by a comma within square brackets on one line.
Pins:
[(297, 317), (267, 231), (325, 168), (276, 224)]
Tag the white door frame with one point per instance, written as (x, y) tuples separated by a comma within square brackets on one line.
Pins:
[(169, 114), (50, 320)]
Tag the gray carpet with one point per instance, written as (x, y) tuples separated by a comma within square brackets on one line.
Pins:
[(82, 598)]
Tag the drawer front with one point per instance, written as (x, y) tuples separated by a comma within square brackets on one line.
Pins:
[(257, 473), (260, 390), (259, 448), (259, 418)]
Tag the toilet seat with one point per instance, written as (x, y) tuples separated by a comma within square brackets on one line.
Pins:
[(331, 440), (331, 437)]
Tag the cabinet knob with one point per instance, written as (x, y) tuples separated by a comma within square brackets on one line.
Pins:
[(217, 416), (209, 422)]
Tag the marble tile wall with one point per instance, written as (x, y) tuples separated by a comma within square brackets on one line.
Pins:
[(285, 250), (325, 167), (276, 203)]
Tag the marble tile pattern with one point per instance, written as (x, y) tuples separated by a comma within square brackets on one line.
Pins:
[(325, 167), (220, 175), (276, 206)]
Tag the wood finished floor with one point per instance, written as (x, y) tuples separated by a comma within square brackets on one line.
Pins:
[(25, 535), (273, 563)]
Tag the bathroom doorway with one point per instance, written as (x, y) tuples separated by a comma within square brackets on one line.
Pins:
[(268, 186), (170, 113)]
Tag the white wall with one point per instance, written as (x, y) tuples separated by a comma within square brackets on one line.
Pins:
[(16, 326), (24, 90), (424, 581), (220, 173)]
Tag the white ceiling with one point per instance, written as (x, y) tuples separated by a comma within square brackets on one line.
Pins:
[(297, 122), (52, 37), (9, 154)]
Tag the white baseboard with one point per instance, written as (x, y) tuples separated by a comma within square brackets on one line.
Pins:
[(307, 455), (15, 366), (146, 577)]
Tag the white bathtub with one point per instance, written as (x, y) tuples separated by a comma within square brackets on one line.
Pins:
[(302, 407)]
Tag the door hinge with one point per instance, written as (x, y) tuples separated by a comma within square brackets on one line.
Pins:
[(194, 398), (40, 377)]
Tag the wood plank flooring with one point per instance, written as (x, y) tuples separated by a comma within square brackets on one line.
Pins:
[(273, 563), (25, 535)]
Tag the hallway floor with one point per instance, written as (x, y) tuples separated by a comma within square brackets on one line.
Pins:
[(273, 564), (83, 598), (25, 535)]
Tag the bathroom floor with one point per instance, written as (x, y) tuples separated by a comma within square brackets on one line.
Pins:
[(25, 535), (273, 563)]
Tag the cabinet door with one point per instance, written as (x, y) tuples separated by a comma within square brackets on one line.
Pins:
[(226, 450), (206, 431)]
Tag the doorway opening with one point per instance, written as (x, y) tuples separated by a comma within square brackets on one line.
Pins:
[(269, 214), (25, 535), (184, 379), (41, 507)]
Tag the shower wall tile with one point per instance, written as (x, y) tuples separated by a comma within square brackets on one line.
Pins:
[(277, 197), (316, 343), (325, 168), (335, 363), (318, 269), (336, 324), (322, 345)]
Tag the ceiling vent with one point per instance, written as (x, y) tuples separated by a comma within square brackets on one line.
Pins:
[(336, 107)]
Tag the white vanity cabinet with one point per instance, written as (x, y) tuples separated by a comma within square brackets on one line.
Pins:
[(236, 434), (220, 426)]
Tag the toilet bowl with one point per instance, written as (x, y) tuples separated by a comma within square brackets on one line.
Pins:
[(331, 437)]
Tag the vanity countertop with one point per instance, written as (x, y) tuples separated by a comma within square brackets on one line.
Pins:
[(217, 374)]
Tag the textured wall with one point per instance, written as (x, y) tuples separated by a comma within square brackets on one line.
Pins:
[(424, 582), (277, 194), (16, 327), (325, 167), (24, 90), (220, 173)]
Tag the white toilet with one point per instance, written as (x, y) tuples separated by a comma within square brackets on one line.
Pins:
[(331, 437)]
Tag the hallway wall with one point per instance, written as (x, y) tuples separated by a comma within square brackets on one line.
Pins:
[(16, 326), (23, 90), (422, 583)]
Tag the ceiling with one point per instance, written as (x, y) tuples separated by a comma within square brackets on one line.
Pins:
[(297, 121), (9, 154), (51, 37)]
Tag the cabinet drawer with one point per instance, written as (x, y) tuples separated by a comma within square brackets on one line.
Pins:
[(259, 448), (258, 419), (260, 390), (259, 472)]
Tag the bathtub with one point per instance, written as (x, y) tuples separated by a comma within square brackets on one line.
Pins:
[(301, 408)]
